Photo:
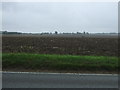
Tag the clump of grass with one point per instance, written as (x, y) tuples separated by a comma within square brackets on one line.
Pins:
[(59, 62)]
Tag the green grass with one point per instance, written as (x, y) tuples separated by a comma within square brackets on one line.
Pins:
[(59, 62)]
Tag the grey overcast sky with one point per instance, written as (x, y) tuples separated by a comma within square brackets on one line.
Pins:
[(93, 17)]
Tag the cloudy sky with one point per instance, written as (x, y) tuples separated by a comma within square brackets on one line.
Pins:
[(61, 16)]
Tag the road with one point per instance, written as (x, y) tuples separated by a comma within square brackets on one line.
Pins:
[(57, 80)]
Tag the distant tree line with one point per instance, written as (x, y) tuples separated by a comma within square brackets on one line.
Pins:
[(6, 32), (56, 32)]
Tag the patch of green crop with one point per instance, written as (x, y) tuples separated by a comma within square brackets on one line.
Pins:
[(59, 62)]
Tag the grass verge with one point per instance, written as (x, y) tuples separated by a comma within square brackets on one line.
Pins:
[(59, 62)]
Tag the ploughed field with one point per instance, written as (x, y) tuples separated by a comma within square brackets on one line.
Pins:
[(67, 44)]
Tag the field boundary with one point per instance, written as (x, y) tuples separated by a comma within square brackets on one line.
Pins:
[(60, 63)]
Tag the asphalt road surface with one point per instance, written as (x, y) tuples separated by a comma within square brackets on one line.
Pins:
[(57, 80)]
